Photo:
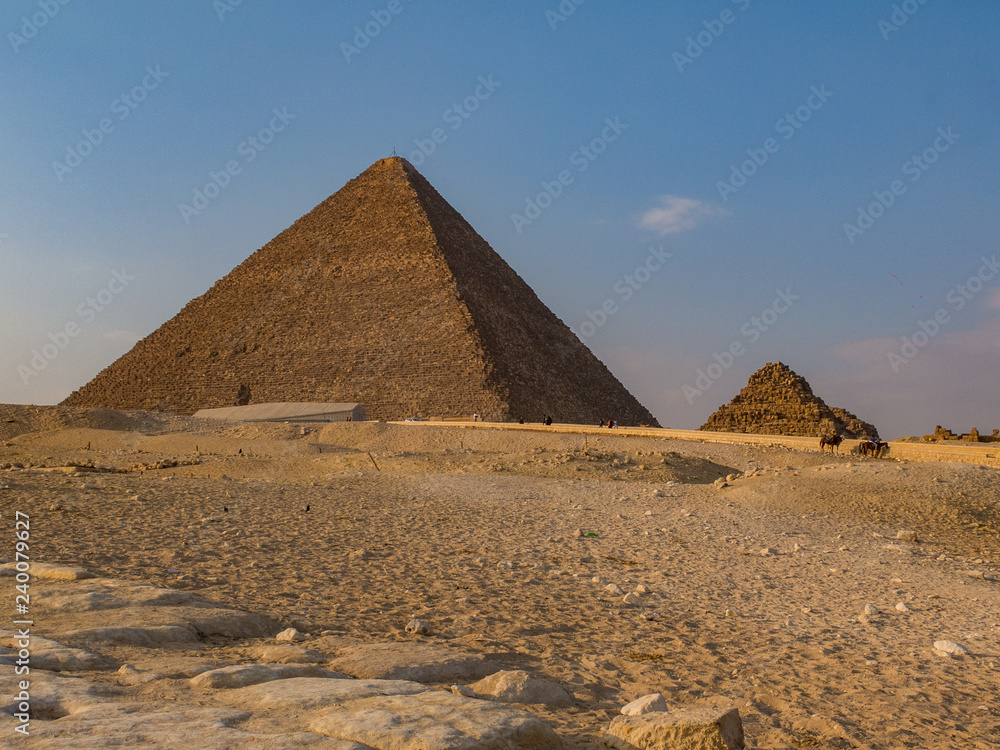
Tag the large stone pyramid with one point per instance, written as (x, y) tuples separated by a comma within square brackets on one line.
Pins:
[(384, 295), (777, 401)]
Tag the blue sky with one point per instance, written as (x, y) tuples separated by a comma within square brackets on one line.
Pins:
[(810, 183)]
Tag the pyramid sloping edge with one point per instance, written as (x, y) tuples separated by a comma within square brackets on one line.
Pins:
[(371, 297), (538, 362)]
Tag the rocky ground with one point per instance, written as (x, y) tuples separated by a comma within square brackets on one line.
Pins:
[(597, 569)]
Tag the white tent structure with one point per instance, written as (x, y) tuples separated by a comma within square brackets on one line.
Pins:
[(287, 412)]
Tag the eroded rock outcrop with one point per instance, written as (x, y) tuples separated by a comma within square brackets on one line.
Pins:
[(155, 667)]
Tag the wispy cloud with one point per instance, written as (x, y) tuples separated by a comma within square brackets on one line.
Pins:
[(677, 214)]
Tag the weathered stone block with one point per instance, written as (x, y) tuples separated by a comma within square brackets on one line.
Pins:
[(699, 728)]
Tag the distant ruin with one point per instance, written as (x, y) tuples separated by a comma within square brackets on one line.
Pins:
[(777, 401), (940, 433)]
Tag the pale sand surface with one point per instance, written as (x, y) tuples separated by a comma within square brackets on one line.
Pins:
[(427, 532)]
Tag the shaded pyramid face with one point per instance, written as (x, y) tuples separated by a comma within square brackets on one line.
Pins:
[(777, 401), (384, 295)]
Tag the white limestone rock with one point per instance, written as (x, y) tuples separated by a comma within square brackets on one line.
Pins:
[(304, 694), (108, 612), (286, 653), (517, 686), (700, 728), (145, 637), (950, 648), (419, 662), (243, 675), (49, 572), (647, 704), (438, 720), (418, 627), (288, 635), (52, 656)]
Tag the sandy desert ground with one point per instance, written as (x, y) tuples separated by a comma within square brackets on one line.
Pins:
[(750, 592)]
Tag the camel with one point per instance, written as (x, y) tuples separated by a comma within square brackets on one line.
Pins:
[(834, 443), (875, 448)]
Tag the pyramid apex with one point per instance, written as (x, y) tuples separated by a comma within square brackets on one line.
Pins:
[(393, 168), (391, 163)]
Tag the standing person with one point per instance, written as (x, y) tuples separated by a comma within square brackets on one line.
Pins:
[(475, 416)]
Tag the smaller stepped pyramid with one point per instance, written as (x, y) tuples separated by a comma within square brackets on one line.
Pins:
[(777, 401)]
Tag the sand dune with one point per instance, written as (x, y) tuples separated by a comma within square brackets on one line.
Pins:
[(751, 592)]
